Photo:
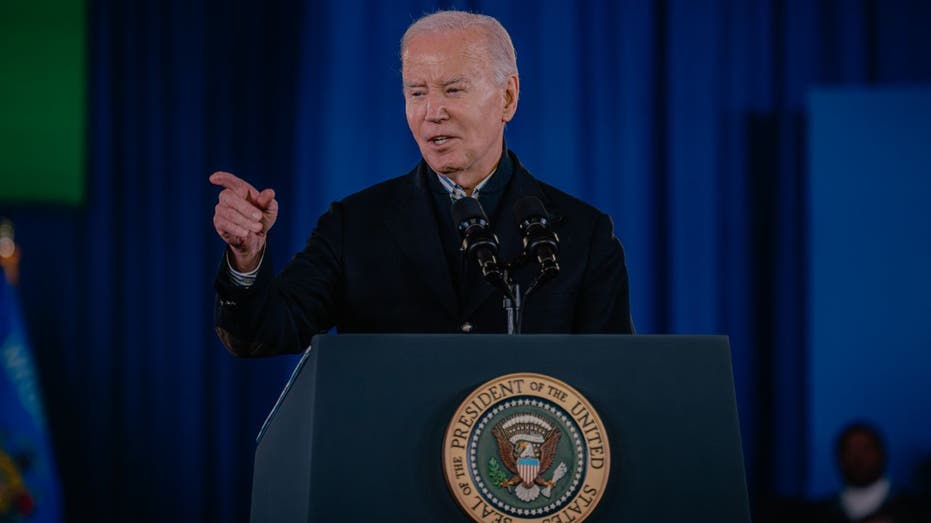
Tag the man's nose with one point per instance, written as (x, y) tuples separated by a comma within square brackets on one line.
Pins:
[(436, 110)]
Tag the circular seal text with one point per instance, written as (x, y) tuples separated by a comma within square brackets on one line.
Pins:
[(526, 448)]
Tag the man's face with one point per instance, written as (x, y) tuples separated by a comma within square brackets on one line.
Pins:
[(861, 459), (455, 109)]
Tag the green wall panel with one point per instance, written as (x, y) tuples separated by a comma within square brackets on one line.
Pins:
[(42, 100)]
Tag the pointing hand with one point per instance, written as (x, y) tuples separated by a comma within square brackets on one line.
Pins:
[(243, 216)]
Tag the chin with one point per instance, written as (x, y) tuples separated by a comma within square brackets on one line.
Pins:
[(443, 165), (448, 169)]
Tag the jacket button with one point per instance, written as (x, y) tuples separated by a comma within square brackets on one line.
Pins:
[(466, 327)]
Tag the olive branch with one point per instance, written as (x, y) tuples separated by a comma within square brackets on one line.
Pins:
[(496, 473)]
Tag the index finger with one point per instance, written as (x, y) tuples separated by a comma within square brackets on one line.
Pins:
[(233, 183)]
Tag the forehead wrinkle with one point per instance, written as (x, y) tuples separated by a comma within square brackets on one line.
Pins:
[(434, 75)]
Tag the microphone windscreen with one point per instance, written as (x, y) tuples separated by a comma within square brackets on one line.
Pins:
[(465, 209), (529, 207)]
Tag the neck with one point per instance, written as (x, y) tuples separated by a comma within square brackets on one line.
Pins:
[(470, 182)]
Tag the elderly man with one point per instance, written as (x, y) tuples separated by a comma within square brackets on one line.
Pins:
[(387, 259)]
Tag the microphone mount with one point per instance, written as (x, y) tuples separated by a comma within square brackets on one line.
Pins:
[(540, 244)]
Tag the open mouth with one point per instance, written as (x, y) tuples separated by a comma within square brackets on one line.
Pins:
[(440, 140)]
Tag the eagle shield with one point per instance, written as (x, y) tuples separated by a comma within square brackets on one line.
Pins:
[(528, 469)]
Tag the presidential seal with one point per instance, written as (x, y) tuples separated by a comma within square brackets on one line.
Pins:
[(526, 448)]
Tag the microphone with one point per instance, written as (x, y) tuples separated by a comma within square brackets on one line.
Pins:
[(478, 242), (540, 241)]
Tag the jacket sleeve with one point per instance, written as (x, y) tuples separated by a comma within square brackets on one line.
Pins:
[(604, 301), (280, 314)]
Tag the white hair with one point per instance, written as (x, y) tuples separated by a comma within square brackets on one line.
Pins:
[(498, 43)]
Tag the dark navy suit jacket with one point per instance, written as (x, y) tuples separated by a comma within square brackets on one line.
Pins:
[(375, 264)]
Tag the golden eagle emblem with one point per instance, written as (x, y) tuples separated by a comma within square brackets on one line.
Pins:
[(527, 445)]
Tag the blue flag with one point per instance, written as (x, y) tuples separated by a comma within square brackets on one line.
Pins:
[(29, 489)]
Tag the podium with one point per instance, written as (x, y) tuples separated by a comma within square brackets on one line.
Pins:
[(358, 433)]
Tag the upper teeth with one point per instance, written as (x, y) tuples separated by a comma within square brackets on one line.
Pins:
[(440, 139)]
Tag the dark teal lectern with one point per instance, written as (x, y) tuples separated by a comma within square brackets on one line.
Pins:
[(358, 434)]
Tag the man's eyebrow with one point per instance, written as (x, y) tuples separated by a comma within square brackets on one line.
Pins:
[(446, 83)]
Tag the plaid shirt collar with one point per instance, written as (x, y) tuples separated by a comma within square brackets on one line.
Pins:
[(456, 191)]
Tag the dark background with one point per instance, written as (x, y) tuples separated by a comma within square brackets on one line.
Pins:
[(684, 120)]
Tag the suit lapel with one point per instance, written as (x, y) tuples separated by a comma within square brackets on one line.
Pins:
[(412, 223)]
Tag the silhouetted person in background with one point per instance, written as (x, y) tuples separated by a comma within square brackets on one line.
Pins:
[(867, 496)]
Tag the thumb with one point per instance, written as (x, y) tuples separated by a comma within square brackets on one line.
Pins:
[(265, 198)]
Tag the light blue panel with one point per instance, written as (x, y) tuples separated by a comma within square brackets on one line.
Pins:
[(869, 273)]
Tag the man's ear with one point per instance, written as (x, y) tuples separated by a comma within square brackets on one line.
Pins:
[(511, 94)]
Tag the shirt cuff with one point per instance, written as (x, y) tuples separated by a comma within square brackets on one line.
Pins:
[(243, 279)]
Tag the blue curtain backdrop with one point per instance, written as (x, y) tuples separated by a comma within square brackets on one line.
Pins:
[(682, 119)]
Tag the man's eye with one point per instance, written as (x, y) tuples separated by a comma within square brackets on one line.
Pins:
[(453, 90), (417, 94)]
